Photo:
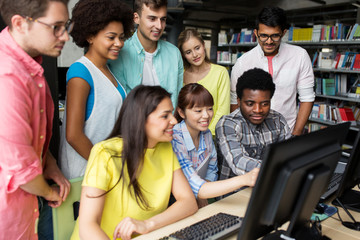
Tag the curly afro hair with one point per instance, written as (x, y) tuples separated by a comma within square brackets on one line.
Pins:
[(91, 16)]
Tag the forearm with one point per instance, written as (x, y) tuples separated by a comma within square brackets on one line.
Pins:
[(37, 186), (219, 188), (302, 117), (177, 211), (92, 230), (81, 144)]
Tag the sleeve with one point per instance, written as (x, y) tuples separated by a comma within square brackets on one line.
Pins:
[(305, 84), (186, 165), (211, 174), (285, 132), (19, 162), (79, 70), (229, 135), (99, 169), (235, 74), (223, 98), (180, 80)]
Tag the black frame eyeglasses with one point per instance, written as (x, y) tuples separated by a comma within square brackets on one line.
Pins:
[(274, 37), (58, 30)]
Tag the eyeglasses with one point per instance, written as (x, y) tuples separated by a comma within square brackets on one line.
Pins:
[(59, 30), (274, 37)]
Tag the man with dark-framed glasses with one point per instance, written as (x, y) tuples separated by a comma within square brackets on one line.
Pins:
[(289, 65), (34, 28)]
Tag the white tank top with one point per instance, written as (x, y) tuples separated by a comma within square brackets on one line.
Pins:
[(107, 104)]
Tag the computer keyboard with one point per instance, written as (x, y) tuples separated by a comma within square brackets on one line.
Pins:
[(217, 226)]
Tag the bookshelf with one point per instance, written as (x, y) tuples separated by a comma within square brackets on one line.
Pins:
[(335, 40)]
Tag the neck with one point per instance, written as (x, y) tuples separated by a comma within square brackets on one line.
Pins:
[(148, 45), (195, 136), (96, 60), (199, 69), (22, 42)]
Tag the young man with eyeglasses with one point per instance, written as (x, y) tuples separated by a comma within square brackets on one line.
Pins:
[(34, 28), (289, 65)]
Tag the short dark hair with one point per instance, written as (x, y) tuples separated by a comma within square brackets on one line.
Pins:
[(272, 17), (152, 4), (255, 79), (91, 16), (25, 8), (191, 95)]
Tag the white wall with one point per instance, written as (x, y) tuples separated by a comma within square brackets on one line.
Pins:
[(70, 52)]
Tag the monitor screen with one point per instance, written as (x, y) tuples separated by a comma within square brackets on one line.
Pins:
[(349, 197), (293, 176)]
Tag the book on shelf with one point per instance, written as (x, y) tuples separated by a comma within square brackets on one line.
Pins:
[(328, 86), (336, 61), (314, 60), (325, 58), (320, 32), (356, 65), (222, 38), (347, 115)]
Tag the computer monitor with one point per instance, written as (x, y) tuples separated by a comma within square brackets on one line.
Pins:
[(346, 196), (294, 174)]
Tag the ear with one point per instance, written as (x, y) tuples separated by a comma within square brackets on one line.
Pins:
[(285, 30), (19, 24), (256, 33), (238, 102), (90, 40), (181, 113), (136, 18)]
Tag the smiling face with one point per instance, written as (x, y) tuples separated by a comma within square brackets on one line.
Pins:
[(255, 105), (108, 42), (194, 51), (197, 118), (269, 47), (40, 37), (151, 23), (159, 124)]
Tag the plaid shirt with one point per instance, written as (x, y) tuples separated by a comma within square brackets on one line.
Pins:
[(241, 144), (191, 158)]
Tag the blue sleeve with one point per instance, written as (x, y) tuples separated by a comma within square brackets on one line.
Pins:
[(79, 70)]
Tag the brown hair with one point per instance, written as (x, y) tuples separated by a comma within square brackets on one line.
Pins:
[(185, 36), (25, 8), (192, 95), (152, 4)]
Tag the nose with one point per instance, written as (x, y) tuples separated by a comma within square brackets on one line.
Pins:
[(173, 120), (269, 40), (65, 37), (118, 43), (158, 24), (205, 114), (257, 108)]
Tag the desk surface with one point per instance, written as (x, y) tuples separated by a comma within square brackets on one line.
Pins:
[(236, 204)]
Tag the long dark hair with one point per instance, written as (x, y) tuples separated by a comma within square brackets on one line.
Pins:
[(192, 95), (130, 126)]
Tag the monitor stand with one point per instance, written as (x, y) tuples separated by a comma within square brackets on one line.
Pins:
[(354, 225), (350, 199)]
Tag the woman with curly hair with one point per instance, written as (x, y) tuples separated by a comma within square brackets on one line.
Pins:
[(94, 96)]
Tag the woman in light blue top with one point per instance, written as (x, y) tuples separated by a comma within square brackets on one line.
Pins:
[(94, 96), (193, 144)]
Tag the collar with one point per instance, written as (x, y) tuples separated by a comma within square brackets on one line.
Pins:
[(11, 47), (139, 47), (188, 140)]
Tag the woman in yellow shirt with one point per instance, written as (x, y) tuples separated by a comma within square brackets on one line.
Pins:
[(199, 69), (129, 176)]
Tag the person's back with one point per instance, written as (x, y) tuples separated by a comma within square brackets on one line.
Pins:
[(145, 58)]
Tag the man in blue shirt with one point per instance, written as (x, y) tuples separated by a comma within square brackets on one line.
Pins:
[(145, 59)]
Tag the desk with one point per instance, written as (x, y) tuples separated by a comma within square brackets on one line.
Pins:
[(236, 204)]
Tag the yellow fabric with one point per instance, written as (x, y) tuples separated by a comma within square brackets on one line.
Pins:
[(217, 82), (155, 178)]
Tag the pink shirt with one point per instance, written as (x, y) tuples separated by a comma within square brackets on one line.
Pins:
[(25, 129)]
